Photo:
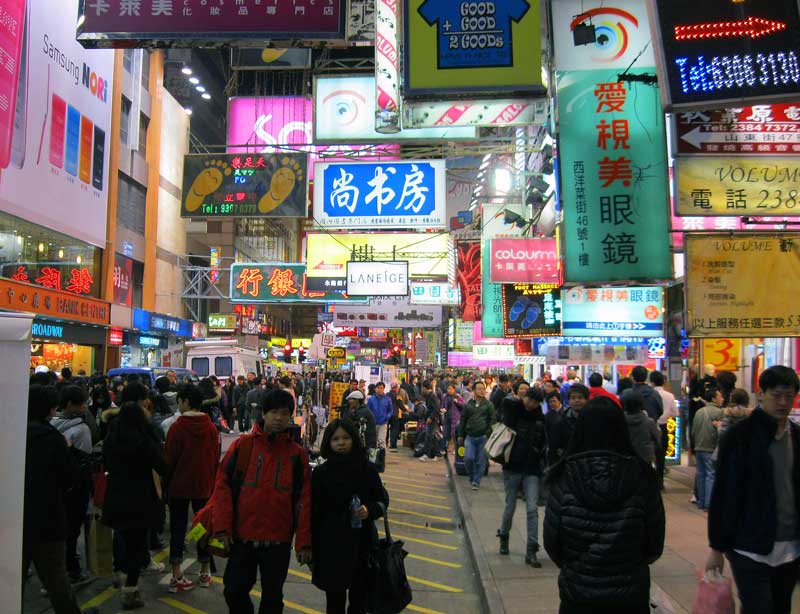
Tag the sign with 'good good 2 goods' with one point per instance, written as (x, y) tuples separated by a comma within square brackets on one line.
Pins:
[(365, 278), (525, 260)]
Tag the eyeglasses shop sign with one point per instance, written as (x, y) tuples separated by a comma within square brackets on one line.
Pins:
[(367, 278)]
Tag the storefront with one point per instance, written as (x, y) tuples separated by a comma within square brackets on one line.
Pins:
[(155, 341)]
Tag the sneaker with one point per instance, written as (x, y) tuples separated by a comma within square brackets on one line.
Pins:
[(153, 567), (474, 486), (532, 560), (204, 580), (423, 459), (131, 599), (180, 585), (436, 458)]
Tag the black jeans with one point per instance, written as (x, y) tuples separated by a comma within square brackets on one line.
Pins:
[(48, 558), (240, 577), (134, 545), (76, 503), (395, 427), (660, 455), (178, 520), (243, 415), (763, 589), (335, 600)]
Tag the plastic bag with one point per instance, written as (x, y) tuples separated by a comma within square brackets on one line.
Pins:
[(660, 603), (714, 594)]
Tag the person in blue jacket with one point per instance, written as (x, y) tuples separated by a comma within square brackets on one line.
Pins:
[(382, 408)]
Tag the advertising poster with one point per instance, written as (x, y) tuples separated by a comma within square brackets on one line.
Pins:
[(388, 312), (55, 121), (278, 282), (460, 46), (468, 274), (336, 398), (724, 354), (491, 297), (531, 310), (123, 280), (622, 312), (737, 286), (525, 260), (233, 185)]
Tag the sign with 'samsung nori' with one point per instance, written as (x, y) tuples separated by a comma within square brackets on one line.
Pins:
[(722, 53)]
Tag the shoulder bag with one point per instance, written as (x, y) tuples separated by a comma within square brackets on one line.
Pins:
[(498, 446)]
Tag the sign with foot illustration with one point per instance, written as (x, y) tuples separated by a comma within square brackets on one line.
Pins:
[(531, 310), (244, 185)]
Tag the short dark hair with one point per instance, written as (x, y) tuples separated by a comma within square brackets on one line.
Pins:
[(72, 395), (134, 392), (277, 399), (478, 381), (503, 377), (657, 378), (427, 384), (41, 401), (709, 394), (354, 381), (536, 394), (595, 380), (351, 429), (66, 372), (580, 389), (778, 375), (192, 394), (285, 381), (41, 379), (739, 396), (518, 383), (380, 384), (639, 374), (553, 395), (162, 384)]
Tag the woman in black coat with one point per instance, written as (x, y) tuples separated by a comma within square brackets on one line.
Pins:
[(340, 546), (604, 522), (132, 457)]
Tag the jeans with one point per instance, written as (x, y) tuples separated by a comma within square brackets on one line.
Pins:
[(530, 484), (134, 544), (49, 559), (76, 503), (704, 479), (382, 430), (475, 459), (240, 577), (335, 600), (447, 431), (178, 519), (763, 589)]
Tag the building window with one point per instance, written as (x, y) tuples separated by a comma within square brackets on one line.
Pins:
[(127, 59), (125, 120), (144, 123), (145, 69), (131, 204)]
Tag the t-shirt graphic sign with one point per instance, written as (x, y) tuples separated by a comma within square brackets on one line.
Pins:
[(473, 34)]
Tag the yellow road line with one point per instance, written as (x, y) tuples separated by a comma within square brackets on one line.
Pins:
[(434, 561), (174, 603), (444, 587), (419, 515), (299, 574), (416, 608), (289, 604), (419, 494), (435, 506), (421, 541), (400, 478), (160, 556), (421, 526), (100, 599)]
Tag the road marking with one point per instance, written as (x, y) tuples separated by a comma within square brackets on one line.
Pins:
[(444, 587), (399, 477), (434, 561), (435, 506), (419, 494), (420, 526), (174, 603), (100, 599), (184, 566), (160, 556), (420, 541), (289, 604), (419, 515), (416, 608)]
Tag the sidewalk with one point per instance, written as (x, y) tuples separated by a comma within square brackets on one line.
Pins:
[(511, 586)]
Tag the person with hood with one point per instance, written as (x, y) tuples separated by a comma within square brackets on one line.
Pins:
[(524, 468), (347, 497), (358, 413), (192, 454), (643, 432), (133, 462), (604, 522), (168, 393), (382, 408)]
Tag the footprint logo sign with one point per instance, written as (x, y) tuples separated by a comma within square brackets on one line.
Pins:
[(281, 186), (208, 180)]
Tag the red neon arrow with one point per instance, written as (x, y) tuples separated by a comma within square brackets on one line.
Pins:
[(753, 27)]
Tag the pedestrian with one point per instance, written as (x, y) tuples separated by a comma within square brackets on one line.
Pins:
[(578, 398), (258, 523), (500, 391), (239, 402), (705, 436), (192, 454), (382, 410), (642, 430), (134, 462), (657, 380), (598, 389), (754, 517), (518, 390), (652, 400), (431, 417), (452, 404), (552, 422), (604, 523), (168, 391), (358, 413), (524, 468), (347, 497), (474, 429), (737, 410), (162, 408)]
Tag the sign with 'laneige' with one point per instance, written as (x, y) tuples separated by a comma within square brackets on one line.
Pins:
[(525, 260), (367, 278)]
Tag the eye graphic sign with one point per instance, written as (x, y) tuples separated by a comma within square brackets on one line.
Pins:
[(621, 312)]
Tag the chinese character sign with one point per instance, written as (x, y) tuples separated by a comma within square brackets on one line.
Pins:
[(491, 297), (278, 283), (614, 178), (468, 273), (525, 260), (243, 185), (530, 310), (621, 312), (407, 194)]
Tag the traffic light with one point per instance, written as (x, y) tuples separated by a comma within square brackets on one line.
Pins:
[(395, 350), (287, 353), (301, 354)]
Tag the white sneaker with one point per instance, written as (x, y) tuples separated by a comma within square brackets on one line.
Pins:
[(180, 585), (423, 459), (153, 567)]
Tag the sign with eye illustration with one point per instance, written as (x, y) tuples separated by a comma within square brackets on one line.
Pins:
[(531, 310), (242, 185)]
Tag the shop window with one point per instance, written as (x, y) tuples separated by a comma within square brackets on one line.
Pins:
[(200, 366), (223, 366)]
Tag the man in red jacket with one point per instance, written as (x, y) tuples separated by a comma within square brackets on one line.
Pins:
[(596, 389), (192, 451), (272, 506)]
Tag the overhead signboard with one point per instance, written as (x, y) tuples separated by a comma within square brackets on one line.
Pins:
[(488, 113), (531, 310), (278, 282), (18, 296), (402, 194), (719, 53), (486, 47), (525, 260), (491, 297), (388, 278), (388, 312), (718, 186), (469, 279), (759, 130), (240, 185), (269, 58), (344, 111), (434, 293), (595, 354), (188, 23), (725, 354), (222, 322), (491, 351), (738, 286), (623, 312)]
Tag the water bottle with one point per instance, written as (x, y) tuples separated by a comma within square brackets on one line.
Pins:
[(355, 521)]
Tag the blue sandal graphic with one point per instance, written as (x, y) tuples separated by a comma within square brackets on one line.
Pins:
[(518, 308), (531, 316)]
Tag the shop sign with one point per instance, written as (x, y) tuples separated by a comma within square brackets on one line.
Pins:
[(493, 352), (467, 360), (463, 336), (489, 113), (757, 186), (726, 53), (279, 282), (525, 260), (115, 336), (76, 280), (531, 310), (337, 396), (491, 297), (737, 286), (153, 342), (378, 334), (724, 354), (18, 296), (434, 293), (389, 313), (365, 278), (199, 330), (344, 111), (222, 322), (148, 321), (407, 194), (48, 330), (674, 431), (480, 47), (164, 23), (764, 129), (468, 273), (241, 185), (123, 280), (623, 312), (621, 353)]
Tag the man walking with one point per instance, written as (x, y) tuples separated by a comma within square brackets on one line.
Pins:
[(652, 400), (382, 409), (473, 431), (670, 411)]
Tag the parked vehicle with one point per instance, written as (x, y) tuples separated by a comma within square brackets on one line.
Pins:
[(223, 358), (150, 374)]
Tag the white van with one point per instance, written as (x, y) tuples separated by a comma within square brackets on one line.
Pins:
[(223, 358)]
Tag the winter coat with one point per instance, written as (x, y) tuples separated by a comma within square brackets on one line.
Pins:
[(528, 452), (382, 408), (563, 432), (653, 404), (704, 432), (365, 422), (552, 426), (604, 524), (192, 453), (454, 406), (107, 416), (730, 415), (339, 551), (645, 436), (50, 471), (130, 456), (75, 430), (599, 391), (477, 419)]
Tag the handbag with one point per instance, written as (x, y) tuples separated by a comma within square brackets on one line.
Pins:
[(388, 590), (498, 446), (660, 603), (714, 594)]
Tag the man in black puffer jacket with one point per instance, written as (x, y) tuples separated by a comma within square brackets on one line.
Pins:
[(604, 523)]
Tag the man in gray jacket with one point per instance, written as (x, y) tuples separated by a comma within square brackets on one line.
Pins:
[(704, 433)]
